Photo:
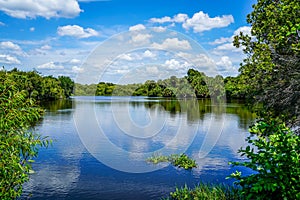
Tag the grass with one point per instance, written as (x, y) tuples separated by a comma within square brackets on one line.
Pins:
[(205, 192), (181, 161)]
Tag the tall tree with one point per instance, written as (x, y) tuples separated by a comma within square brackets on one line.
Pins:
[(272, 67)]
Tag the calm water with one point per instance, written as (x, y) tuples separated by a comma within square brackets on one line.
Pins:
[(101, 144)]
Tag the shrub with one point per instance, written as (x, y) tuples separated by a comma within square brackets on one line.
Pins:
[(17, 145), (274, 155)]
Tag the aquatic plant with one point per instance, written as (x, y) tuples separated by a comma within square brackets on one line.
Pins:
[(205, 192), (181, 161)]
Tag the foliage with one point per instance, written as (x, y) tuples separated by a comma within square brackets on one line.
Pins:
[(181, 161), (85, 89), (195, 84), (38, 87), (67, 85), (274, 155), (272, 67), (17, 145), (205, 192)]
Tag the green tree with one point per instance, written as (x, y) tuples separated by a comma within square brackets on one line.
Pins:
[(18, 146), (67, 85), (271, 71)]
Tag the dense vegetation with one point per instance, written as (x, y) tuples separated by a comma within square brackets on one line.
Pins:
[(269, 76), (195, 84), (40, 87), (17, 145), (19, 92), (272, 71)]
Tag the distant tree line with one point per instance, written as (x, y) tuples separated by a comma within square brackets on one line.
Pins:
[(195, 84), (39, 87)]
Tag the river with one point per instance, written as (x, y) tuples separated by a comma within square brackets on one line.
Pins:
[(100, 146)]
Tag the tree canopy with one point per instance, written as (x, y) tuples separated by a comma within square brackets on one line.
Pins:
[(272, 67)]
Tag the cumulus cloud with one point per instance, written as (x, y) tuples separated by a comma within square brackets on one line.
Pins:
[(51, 66), (46, 47), (148, 54), (152, 70), (9, 45), (221, 40), (40, 8), (74, 61), (159, 29), (176, 65), (198, 23), (202, 22), (8, 59), (180, 18), (141, 38), (161, 20), (227, 47), (77, 69), (225, 62), (173, 44), (76, 31), (245, 29), (137, 27), (126, 57)]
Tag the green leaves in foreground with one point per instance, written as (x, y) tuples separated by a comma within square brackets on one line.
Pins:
[(18, 146), (274, 155), (181, 160)]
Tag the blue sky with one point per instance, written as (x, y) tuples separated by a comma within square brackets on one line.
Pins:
[(130, 40)]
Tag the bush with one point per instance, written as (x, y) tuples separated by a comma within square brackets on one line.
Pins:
[(274, 155), (17, 145)]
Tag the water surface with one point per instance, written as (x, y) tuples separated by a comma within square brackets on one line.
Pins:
[(101, 143)]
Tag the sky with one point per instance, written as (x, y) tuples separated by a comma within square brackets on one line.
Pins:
[(122, 41)]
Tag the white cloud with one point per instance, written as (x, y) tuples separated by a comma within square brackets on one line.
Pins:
[(161, 20), (225, 62), (32, 29), (126, 57), (245, 29), (50, 65), (176, 65), (180, 18), (152, 70), (74, 61), (8, 59), (198, 23), (148, 54), (2, 24), (77, 69), (76, 31), (174, 44), (40, 8), (9, 45), (226, 47), (159, 29), (202, 22), (46, 47), (141, 38), (221, 40), (137, 27)]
